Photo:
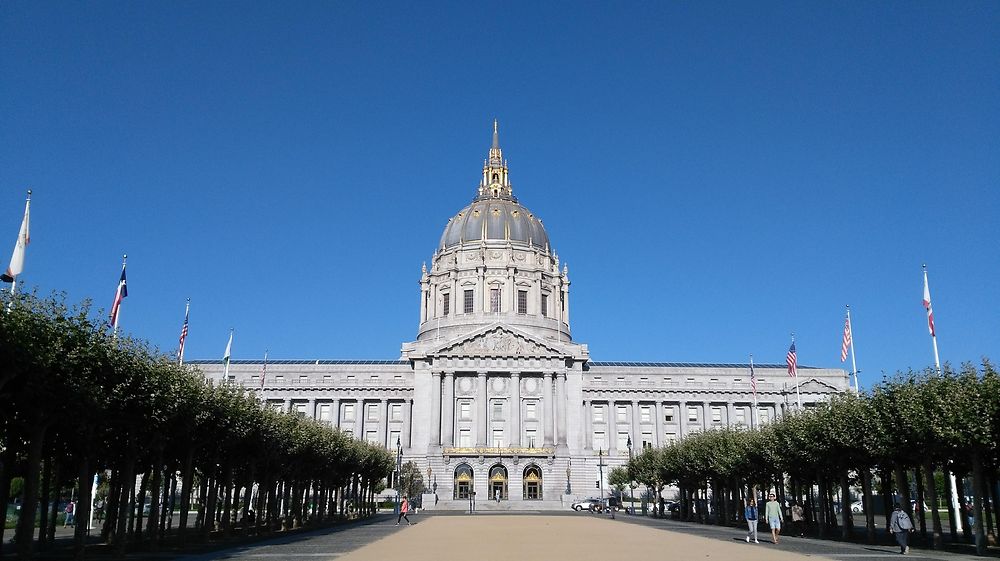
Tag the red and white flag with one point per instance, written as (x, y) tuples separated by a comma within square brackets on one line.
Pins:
[(23, 239), (120, 295), (927, 306), (847, 338), (184, 333), (792, 360)]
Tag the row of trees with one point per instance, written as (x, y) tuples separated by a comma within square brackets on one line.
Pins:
[(75, 401), (917, 424)]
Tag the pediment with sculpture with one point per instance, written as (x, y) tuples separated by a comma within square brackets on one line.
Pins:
[(499, 341)]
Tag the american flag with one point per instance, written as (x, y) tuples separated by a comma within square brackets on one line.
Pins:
[(927, 306), (753, 378), (184, 333), (847, 338), (792, 361), (120, 295)]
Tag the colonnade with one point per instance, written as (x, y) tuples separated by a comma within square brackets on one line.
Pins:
[(552, 404), (361, 423)]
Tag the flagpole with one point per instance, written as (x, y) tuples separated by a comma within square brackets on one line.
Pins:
[(118, 313), (263, 376), (854, 363), (753, 414), (180, 355), (798, 397), (930, 319)]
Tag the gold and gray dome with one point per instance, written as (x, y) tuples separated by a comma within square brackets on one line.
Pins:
[(495, 214)]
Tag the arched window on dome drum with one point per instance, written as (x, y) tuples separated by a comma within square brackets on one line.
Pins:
[(463, 481), (532, 483)]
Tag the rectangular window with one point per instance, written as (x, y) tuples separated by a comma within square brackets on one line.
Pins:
[(531, 436), (300, 409), (598, 413), (303, 379), (372, 412), (621, 414), (446, 305), (764, 415), (276, 406), (623, 441), (522, 301), (467, 301), (741, 416), (497, 410), (279, 379), (371, 436), (396, 411), (647, 439), (325, 412), (545, 305), (495, 300), (530, 410), (599, 442), (692, 414), (646, 414), (716, 415), (670, 437), (497, 438), (465, 410), (465, 438), (349, 412), (394, 437), (255, 380), (668, 414)]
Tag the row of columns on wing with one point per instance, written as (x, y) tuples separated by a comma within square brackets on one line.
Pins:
[(535, 297), (610, 423), (499, 421), (382, 421)]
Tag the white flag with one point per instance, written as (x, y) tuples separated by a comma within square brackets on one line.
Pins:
[(23, 239), (229, 349)]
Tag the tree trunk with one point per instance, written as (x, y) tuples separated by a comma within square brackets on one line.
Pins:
[(6, 473), (50, 526), (977, 501), (995, 495), (173, 500), (126, 502), (187, 481), (937, 538), (227, 500), (868, 504), (847, 524), (111, 506), (82, 529), (822, 511), (153, 524), (952, 520), (135, 518), (919, 507), (43, 517), (962, 494), (26, 521)]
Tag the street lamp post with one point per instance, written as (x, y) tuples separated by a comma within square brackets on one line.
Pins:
[(631, 489), (399, 473)]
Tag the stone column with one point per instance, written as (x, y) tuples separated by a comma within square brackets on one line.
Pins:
[(435, 408), (359, 418), (448, 410), (588, 425), (706, 411), (482, 409), (563, 401), (287, 405), (547, 431), (682, 412), (659, 439), (515, 410), (383, 429), (636, 426), (612, 429), (312, 408), (730, 413), (407, 429), (335, 413)]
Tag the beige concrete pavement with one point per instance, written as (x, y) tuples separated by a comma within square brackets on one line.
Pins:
[(537, 537)]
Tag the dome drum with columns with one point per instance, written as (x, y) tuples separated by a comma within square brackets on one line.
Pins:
[(494, 397)]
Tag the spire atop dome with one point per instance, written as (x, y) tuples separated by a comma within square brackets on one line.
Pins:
[(495, 183)]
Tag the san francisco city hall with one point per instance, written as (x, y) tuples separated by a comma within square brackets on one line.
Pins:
[(494, 395)]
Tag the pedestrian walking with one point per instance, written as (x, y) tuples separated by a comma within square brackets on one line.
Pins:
[(798, 518), (404, 509), (69, 519), (772, 511), (750, 513), (901, 526)]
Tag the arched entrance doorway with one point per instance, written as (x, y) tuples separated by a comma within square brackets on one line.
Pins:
[(532, 483), (463, 481), (498, 482)]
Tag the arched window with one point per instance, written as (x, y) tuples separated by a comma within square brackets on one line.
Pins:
[(463, 481), (498, 482), (532, 483)]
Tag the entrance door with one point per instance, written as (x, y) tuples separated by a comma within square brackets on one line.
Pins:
[(498, 482)]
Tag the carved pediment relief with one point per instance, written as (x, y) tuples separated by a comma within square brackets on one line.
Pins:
[(817, 386), (499, 342)]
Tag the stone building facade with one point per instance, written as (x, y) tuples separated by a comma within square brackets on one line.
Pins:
[(494, 396)]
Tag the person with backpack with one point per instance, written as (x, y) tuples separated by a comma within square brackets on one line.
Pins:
[(901, 526)]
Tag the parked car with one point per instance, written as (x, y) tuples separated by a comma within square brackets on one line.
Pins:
[(585, 504)]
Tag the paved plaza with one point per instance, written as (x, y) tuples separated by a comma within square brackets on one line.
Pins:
[(501, 537)]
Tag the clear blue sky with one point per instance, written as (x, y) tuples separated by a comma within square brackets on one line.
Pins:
[(716, 175)]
